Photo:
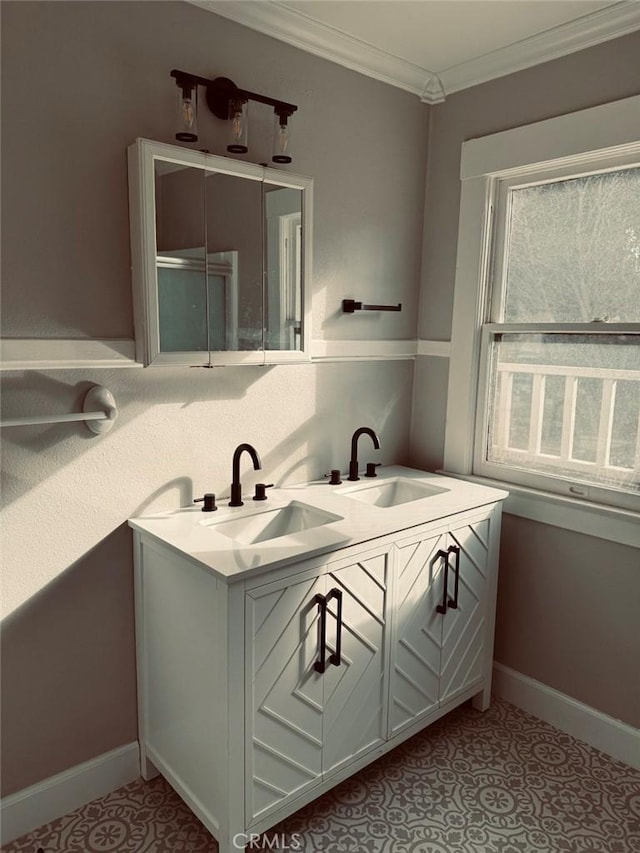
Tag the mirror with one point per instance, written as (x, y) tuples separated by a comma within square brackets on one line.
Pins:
[(221, 258)]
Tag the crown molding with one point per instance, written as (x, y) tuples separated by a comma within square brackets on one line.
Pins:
[(300, 30), (433, 91), (594, 28)]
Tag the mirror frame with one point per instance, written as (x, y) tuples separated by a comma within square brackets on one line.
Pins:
[(142, 219)]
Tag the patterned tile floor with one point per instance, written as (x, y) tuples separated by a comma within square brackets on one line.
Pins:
[(498, 782)]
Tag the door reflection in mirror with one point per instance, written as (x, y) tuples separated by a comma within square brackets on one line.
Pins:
[(283, 266)]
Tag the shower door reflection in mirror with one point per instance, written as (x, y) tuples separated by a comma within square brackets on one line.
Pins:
[(180, 258), (209, 260), (197, 300)]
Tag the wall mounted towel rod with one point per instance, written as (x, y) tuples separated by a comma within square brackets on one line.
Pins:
[(350, 305), (97, 397)]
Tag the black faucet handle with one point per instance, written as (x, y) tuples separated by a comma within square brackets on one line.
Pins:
[(371, 469), (334, 477), (209, 501), (261, 488)]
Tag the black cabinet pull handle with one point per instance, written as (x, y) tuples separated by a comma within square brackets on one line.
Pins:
[(442, 608), (321, 664), (336, 593), (454, 549)]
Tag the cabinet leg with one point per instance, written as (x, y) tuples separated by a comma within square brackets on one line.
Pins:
[(482, 700), (232, 843)]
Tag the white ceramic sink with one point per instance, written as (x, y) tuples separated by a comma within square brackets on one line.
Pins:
[(390, 493), (295, 517)]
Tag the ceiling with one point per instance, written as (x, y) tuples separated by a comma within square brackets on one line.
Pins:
[(435, 47)]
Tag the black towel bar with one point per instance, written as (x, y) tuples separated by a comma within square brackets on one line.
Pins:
[(350, 305)]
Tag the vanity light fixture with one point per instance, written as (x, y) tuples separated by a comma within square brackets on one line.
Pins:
[(187, 125), (239, 121), (230, 103), (281, 138)]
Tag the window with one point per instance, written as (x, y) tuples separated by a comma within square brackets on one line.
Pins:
[(544, 389), (560, 356)]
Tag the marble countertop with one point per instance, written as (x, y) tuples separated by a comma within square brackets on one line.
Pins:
[(349, 521)]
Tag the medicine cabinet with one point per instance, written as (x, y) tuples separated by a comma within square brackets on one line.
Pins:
[(221, 259)]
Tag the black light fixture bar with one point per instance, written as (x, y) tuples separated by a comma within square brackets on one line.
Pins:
[(221, 90)]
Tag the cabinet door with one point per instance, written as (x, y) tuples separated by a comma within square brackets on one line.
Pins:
[(284, 693), (301, 722), (417, 634), (440, 621), (355, 691), (463, 627)]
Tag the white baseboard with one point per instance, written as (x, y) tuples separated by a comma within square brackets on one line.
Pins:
[(52, 798), (58, 795), (599, 730)]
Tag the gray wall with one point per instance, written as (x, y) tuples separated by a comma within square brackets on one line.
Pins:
[(567, 616), (80, 82), (568, 604)]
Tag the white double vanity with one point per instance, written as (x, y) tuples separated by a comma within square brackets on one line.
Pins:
[(287, 643)]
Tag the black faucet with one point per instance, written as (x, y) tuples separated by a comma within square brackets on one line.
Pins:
[(236, 487), (353, 464)]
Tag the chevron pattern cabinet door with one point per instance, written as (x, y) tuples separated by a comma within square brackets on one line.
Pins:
[(285, 694), (464, 627), (415, 658), (355, 691)]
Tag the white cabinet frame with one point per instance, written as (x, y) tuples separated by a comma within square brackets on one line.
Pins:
[(141, 159)]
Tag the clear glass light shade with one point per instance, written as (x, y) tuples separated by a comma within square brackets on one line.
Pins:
[(187, 124), (238, 127), (281, 140)]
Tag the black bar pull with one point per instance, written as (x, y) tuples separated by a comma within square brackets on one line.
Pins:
[(454, 549), (321, 664), (350, 305), (336, 593), (397, 307), (442, 608)]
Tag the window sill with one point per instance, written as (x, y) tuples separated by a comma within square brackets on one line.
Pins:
[(591, 519)]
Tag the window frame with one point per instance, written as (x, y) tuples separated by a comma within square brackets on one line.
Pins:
[(594, 140), (543, 481)]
